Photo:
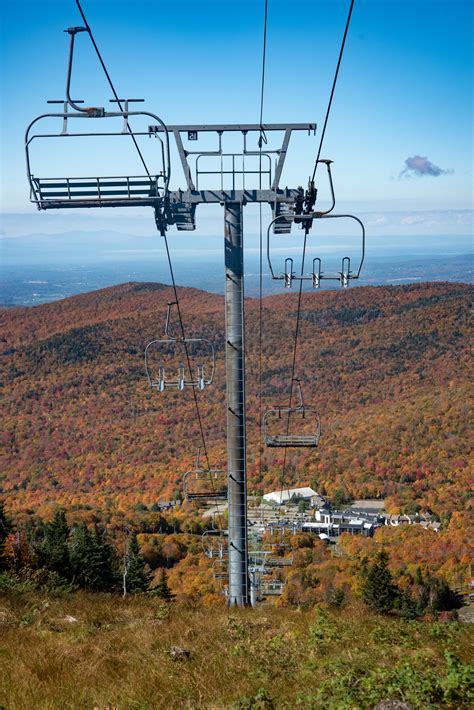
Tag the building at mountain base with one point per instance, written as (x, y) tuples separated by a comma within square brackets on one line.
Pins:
[(294, 495)]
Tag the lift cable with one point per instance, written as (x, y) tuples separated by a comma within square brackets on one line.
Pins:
[(293, 365), (262, 139), (260, 339), (89, 31), (198, 413), (298, 312), (336, 74), (188, 359)]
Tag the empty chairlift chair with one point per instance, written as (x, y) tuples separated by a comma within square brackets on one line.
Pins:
[(92, 190), (76, 190), (281, 223), (203, 484), (220, 568), (215, 543), (173, 362), (292, 426)]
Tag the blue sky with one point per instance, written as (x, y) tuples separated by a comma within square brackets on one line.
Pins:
[(405, 87)]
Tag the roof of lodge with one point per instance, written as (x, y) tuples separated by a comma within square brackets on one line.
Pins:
[(288, 493)]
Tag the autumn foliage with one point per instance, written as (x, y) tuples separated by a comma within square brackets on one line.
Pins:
[(386, 367)]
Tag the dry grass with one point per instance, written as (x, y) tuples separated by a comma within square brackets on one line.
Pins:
[(117, 655)]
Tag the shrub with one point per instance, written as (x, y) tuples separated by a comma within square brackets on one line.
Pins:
[(29, 580)]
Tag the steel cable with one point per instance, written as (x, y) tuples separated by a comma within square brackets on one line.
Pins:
[(336, 74), (87, 26), (262, 139), (188, 360), (198, 413), (293, 366), (300, 292)]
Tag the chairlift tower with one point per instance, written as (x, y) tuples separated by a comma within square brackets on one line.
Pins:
[(249, 175), (234, 175)]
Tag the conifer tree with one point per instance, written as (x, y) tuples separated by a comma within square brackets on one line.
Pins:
[(93, 560), (378, 590), (5, 528), (422, 592), (79, 552), (54, 551), (440, 596), (162, 589), (408, 608), (103, 562), (136, 578)]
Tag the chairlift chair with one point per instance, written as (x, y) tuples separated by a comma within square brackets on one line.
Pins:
[(281, 223), (215, 543), (205, 484), (274, 562), (220, 568), (265, 583), (290, 438), (344, 276), (276, 541), (172, 361), (262, 560), (52, 192), (271, 588)]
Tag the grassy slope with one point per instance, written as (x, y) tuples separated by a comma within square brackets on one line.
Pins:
[(117, 654)]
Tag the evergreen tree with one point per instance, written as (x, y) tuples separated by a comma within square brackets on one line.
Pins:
[(103, 562), (136, 577), (422, 592), (408, 608), (93, 560), (378, 590), (54, 551), (5, 528), (162, 589), (79, 553), (337, 598), (440, 596)]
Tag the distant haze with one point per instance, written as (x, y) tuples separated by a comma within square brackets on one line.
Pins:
[(74, 253)]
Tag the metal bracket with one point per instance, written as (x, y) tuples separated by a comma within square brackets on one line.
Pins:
[(65, 105), (126, 127), (244, 129), (93, 111)]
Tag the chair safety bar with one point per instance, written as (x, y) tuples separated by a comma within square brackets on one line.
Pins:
[(205, 477), (180, 377), (61, 192)]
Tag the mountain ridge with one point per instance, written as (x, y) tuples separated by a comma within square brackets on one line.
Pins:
[(386, 366)]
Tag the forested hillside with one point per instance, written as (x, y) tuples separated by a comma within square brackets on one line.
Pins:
[(386, 367)]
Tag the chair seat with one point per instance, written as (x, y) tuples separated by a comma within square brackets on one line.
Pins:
[(282, 440), (98, 189)]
